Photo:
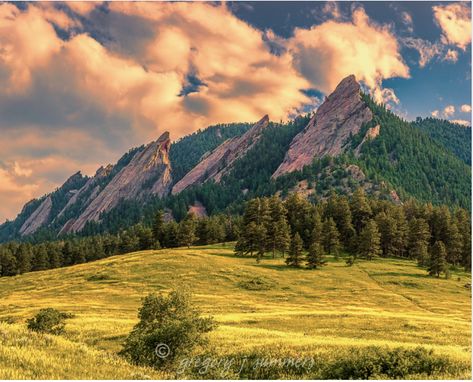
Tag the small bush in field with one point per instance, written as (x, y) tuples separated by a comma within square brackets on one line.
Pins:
[(170, 327), (48, 320)]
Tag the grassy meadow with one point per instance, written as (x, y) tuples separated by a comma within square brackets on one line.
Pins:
[(329, 313)]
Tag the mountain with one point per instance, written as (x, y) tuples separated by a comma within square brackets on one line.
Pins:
[(340, 116), (350, 142), (148, 173), (214, 165)]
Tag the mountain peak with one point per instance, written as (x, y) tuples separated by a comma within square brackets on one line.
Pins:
[(342, 114), (219, 162)]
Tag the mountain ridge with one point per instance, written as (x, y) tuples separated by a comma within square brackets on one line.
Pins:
[(348, 126)]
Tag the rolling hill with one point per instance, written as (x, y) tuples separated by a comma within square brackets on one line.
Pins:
[(330, 314)]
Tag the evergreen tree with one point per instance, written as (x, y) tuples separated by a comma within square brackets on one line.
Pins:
[(8, 263), (330, 237), (438, 262), (419, 238), (369, 241), (315, 256), (360, 209), (24, 256), (317, 230), (338, 208), (187, 231), (40, 259), (464, 225), (158, 226), (282, 236), (294, 258), (454, 244), (276, 226)]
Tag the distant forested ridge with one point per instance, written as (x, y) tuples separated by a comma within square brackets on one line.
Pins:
[(452, 136)]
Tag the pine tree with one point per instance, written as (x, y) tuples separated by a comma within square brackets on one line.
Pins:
[(40, 259), (330, 237), (464, 225), (24, 256), (369, 241), (360, 209), (8, 263), (276, 226), (295, 252), (315, 256), (158, 227), (338, 208), (454, 244), (419, 238), (438, 262), (187, 231), (317, 230), (282, 236)]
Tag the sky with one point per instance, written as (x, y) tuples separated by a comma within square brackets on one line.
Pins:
[(83, 82)]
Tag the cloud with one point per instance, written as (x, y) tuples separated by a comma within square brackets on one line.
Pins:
[(454, 20), (435, 113), (328, 52), (448, 110), (461, 122), (20, 54), (465, 108), (451, 55), (407, 21), (332, 10), (83, 7), (430, 50)]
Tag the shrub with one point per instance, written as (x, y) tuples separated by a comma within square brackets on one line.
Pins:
[(48, 320), (258, 283), (170, 327)]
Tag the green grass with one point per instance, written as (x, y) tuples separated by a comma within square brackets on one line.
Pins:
[(386, 302)]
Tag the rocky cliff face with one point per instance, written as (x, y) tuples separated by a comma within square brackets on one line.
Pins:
[(341, 115), (37, 218), (148, 172), (214, 165)]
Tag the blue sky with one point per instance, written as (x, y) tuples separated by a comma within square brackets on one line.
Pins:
[(83, 82)]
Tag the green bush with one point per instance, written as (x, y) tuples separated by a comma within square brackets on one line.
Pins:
[(48, 320), (170, 327)]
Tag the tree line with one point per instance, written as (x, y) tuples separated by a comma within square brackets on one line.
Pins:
[(298, 230), (17, 258), (358, 226)]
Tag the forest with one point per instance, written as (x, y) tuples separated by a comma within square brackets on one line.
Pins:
[(301, 232)]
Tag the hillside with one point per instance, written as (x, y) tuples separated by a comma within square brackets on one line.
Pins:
[(330, 313)]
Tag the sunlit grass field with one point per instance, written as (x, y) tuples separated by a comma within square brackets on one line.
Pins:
[(385, 302)]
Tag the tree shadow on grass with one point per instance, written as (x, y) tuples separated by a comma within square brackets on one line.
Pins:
[(397, 274)]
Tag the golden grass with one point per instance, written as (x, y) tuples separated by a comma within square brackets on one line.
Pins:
[(384, 302)]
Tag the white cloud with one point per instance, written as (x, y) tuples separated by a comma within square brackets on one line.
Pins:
[(461, 122), (454, 19), (448, 110), (326, 53), (465, 108), (435, 114)]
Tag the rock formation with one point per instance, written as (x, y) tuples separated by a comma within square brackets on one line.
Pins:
[(371, 134), (342, 114), (149, 172), (37, 218), (214, 165)]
